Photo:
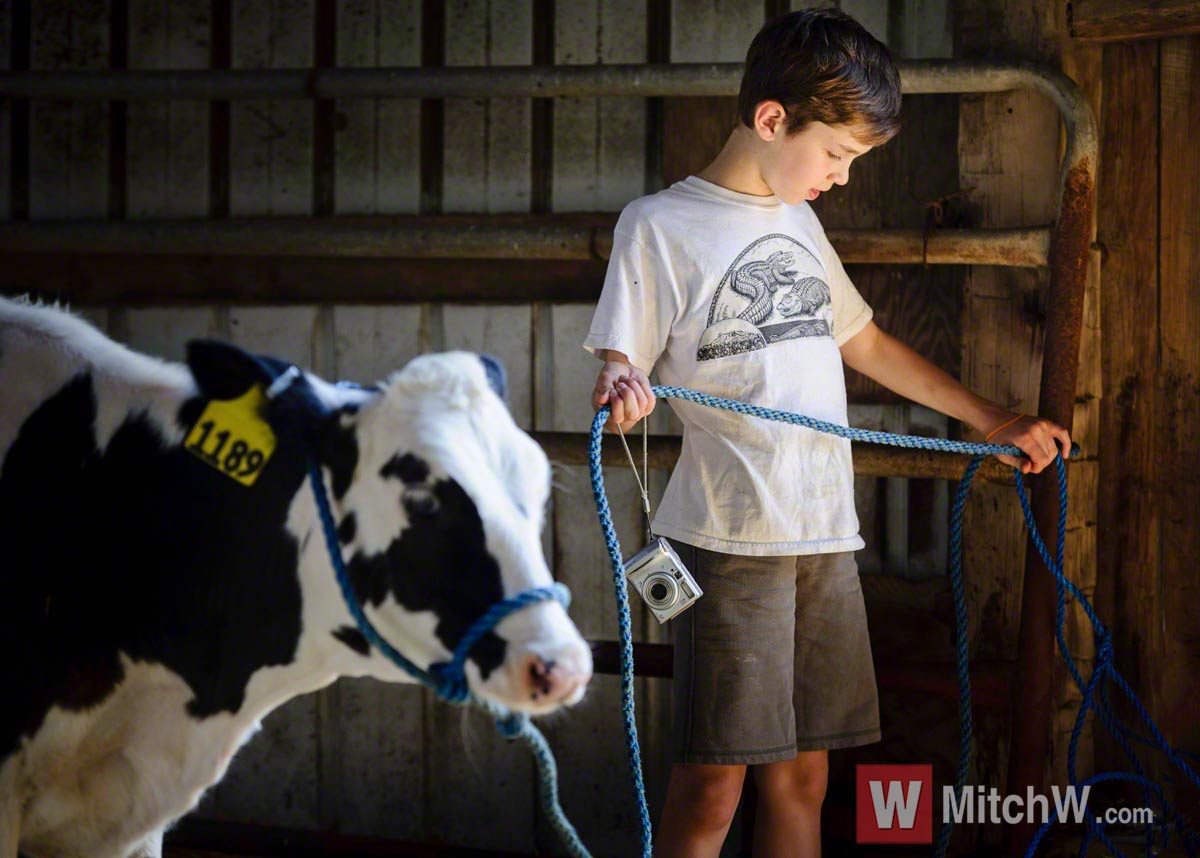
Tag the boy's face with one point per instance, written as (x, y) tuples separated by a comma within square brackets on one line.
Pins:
[(805, 164)]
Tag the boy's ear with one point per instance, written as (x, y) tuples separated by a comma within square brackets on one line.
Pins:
[(223, 371)]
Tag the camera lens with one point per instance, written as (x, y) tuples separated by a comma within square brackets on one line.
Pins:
[(660, 591)]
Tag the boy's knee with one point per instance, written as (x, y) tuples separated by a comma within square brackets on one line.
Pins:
[(710, 794), (802, 780)]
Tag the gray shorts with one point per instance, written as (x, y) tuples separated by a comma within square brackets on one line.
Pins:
[(773, 659)]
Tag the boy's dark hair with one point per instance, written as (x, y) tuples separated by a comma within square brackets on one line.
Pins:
[(823, 66)]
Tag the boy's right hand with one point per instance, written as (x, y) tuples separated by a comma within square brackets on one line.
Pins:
[(626, 390)]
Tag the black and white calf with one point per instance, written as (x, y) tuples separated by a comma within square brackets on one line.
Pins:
[(166, 584)]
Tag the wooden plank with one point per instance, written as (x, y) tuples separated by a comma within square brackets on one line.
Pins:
[(1002, 339), (872, 14), (599, 151), (1007, 145), (271, 141), (372, 759), (183, 280), (271, 780), (373, 762), (480, 789), (599, 164), (504, 332), (5, 113), (374, 341), (1177, 447), (487, 140), (484, 798), (288, 333), (1119, 20), (923, 29), (165, 332), (167, 163), (68, 153), (378, 140), (1130, 510)]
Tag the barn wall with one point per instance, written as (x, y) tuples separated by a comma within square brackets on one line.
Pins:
[(366, 758)]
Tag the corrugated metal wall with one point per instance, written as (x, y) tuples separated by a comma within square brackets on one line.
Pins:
[(363, 757)]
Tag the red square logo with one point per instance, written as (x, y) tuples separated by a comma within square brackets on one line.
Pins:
[(894, 804)]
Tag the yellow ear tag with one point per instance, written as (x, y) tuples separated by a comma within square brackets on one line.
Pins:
[(232, 436)]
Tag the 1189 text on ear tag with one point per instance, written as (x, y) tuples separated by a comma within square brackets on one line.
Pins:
[(232, 436)]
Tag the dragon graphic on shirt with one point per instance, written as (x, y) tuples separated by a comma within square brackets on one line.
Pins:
[(771, 292), (759, 281)]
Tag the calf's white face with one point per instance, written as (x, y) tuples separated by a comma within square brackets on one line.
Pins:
[(440, 519)]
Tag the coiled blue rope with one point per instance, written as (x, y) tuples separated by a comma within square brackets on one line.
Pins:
[(448, 679), (1103, 664)]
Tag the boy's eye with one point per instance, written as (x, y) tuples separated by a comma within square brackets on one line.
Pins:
[(834, 157)]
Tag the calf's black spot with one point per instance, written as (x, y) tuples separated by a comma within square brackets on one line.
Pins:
[(347, 529), (439, 563), (408, 469), (137, 550), (354, 639)]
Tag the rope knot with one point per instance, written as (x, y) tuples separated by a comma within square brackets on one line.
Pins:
[(511, 726), (451, 682)]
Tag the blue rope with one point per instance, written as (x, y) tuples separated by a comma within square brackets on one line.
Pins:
[(448, 679), (1094, 691)]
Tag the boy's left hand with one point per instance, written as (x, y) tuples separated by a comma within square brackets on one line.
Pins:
[(1041, 440)]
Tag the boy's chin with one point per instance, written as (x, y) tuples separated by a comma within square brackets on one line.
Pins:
[(794, 198)]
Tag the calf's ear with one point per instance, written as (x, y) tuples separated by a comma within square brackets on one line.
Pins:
[(337, 447), (223, 371), (495, 375)]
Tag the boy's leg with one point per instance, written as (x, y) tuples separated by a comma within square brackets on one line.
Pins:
[(701, 801), (790, 794)]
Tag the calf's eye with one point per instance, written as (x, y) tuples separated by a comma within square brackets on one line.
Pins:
[(420, 502)]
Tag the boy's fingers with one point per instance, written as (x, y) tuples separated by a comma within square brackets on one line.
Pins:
[(638, 395), (629, 399)]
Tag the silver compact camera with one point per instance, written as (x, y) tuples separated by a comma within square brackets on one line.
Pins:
[(664, 583)]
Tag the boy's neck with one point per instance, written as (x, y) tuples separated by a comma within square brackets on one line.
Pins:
[(736, 167)]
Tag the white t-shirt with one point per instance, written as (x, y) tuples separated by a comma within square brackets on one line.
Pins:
[(741, 297)]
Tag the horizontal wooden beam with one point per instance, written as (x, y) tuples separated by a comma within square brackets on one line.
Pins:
[(990, 680), (133, 280), (209, 838), (571, 448), (1125, 20), (561, 237)]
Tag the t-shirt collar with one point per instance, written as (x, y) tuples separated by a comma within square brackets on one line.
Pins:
[(714, 191)]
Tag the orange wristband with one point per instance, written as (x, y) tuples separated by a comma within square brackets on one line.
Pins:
[(1003, 426)]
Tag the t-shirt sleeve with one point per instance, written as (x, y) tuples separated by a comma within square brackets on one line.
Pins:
[(637, 304), (850, 312)]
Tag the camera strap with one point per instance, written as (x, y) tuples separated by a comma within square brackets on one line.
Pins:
[(642, 483)]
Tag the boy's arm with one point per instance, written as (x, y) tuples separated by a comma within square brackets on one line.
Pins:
[(625, 388), (897, 367)]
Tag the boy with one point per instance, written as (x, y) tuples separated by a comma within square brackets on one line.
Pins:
[(727, 283)]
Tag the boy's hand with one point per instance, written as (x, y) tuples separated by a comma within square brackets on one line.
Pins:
[(1040, 439), (626, 389)]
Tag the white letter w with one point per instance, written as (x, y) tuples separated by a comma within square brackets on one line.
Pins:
[(886, 810)]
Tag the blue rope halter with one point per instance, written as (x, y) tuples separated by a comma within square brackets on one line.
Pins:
[(448, 679), (1104, 654)]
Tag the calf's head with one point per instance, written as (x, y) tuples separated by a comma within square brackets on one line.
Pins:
[(439, 500)]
